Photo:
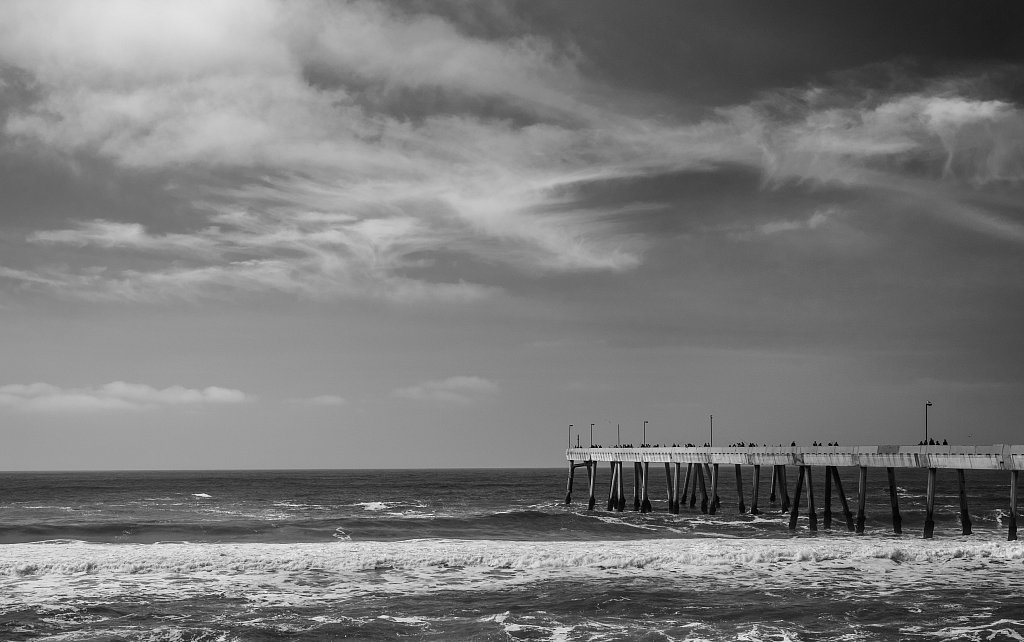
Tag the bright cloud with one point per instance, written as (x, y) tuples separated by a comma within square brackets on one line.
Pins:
[(321, 400), (117, 395), (355, 163), (461, 390)]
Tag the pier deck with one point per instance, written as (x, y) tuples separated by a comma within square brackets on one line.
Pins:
[(703, 463), (996, 457)]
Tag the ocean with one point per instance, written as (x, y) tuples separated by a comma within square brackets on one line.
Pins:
[(488, 555)]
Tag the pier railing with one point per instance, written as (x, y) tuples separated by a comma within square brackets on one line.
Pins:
[(704, 462)]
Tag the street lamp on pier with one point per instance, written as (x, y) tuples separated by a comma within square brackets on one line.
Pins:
[(927, 405), (645, 434), (570, 436)]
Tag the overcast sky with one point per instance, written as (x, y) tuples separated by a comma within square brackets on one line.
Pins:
[(243, 234)]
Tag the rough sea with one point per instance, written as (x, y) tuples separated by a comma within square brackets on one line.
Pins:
[(488, 555)]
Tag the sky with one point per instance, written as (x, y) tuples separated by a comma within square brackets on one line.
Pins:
[(256, 234)]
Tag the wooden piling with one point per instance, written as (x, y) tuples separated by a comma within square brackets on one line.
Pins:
[(842, 498), (675, 488), (1012, 533), (692, 470), (739, 488), (668, 485), (687, 500), (714, 490), (613, 496), (929, 507), (645, 500), (796, 500), (703, 489), (784, 488), (757, 487), (862, 496), (965, 516), (568, 484), (636, 486), (897, 520), (812, 517), (827, 517), (592, 483), (620, 504), (771, 492)]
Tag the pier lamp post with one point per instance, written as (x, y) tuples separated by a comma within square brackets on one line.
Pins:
[(591, 435), (618, 435), (570, 436), (711, 424), (645, 433), (927, 405)]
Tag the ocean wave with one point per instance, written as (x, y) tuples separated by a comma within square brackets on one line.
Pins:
[(69, 558)]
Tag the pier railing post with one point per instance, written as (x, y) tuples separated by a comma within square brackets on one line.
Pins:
[(897, 520), (862, 497), (965, 515), (929, 509)]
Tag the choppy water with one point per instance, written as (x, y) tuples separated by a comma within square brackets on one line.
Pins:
[(488, 555)]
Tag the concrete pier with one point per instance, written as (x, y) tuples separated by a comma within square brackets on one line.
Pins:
[(707, 459)]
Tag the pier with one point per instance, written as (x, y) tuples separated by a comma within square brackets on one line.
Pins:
[(703, 471)]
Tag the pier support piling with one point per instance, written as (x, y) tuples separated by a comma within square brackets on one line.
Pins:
[(965, 515), (753, 494), (592, 479), (690, 479), (613, 496), (842, 498), (620, 504), (1012, 533), (739, 488), (897, 520), (796, 500), (703, 488), (675, 488), (784, 488), (827, 517), (645, 499), (568, 484), (862, 496), (771, 492), (929, 508), (714, 489), (812, 517), (636, 486)]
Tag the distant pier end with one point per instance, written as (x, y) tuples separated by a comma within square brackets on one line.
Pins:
[(704, 462)]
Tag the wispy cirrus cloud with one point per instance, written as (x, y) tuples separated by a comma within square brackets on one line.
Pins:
[(315, 158), (459, 390), (114, 396)]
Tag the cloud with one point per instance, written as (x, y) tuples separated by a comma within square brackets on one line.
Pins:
[(117, 395), (321, 400), (344, 176), (306, 154), (460, 390)]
